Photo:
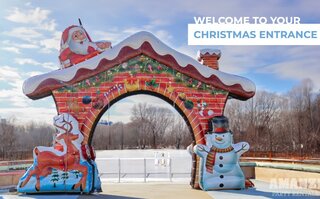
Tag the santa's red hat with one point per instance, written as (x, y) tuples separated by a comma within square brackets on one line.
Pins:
[(66, 35)]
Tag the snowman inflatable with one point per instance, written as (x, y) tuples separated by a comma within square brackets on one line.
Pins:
[(219, 158)]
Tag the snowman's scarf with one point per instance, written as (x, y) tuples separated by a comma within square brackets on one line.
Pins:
[(212, 156)]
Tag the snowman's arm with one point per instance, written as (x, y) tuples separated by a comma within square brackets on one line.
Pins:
[(201, 150), (241, 148)]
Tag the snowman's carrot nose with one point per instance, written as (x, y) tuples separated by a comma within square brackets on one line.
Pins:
[(218, 138)]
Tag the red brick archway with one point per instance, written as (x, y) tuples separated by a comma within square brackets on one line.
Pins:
[(185, 93), (142, 64), (108, 87)]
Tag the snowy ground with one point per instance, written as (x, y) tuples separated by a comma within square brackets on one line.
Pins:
[(264, 190), (132, 171), (176, 191), (156, 165)]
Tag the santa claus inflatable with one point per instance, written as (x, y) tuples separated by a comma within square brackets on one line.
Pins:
[(77, 46)]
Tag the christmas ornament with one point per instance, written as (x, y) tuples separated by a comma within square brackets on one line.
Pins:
[(86, 99)]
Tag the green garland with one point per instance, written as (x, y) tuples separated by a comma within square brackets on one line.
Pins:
[(141, 64)]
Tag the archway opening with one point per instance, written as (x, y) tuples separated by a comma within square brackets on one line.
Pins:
[(170, 105), (130, 140)]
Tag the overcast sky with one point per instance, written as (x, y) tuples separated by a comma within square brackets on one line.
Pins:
[(30, 37)]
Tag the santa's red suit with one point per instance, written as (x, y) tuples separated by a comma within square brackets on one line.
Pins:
[(77, 46)]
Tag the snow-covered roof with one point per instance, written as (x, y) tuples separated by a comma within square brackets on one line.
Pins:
[(140, 43)]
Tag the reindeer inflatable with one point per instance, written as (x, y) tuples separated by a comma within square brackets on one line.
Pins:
[(66, 169)]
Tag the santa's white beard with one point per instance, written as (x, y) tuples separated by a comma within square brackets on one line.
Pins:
[(81, 48)]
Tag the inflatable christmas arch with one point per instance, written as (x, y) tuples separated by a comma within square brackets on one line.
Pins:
[(93, 76)]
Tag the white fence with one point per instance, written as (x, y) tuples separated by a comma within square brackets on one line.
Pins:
[(143, 169)]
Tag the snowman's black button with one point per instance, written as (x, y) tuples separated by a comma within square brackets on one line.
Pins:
[(220, 165), (221, 157), (221, 185), (221, 176)]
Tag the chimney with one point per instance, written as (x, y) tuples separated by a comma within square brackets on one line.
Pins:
[(209, 57)]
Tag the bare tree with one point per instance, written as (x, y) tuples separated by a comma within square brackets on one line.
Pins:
[(7, 137), (154, 119), (287, 123), (178, 133), (140, 119)]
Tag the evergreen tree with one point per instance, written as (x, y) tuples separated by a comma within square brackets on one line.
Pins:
[(54, 177), (76, 173), (64, 177)]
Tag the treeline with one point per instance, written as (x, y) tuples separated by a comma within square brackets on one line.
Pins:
[(288, 123), (18, 141), (150, 127)]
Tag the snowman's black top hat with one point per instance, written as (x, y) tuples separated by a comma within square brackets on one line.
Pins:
[(218, 124)]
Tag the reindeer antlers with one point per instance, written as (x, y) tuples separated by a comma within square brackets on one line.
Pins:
[(64, 123)]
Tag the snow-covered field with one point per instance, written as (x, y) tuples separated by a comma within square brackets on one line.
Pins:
[(155, 165)]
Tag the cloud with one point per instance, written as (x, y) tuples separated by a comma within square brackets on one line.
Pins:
[(24, 61), (295, 70), (16, 47), (11, 49), (13, 96), (24, 33), (37, 29), (234, 59), (11, 76), (28, 114), (113, 35), (31, 16), (19, 45), (295, 63), (283, 62), (121, 111), (164, 35), (160, 33), (34, 73), (191, 51), (48, 26), (51, 44), (116, 34), (35, 39), (149, 99), (243, 59), (29, 61), (223, 8), (8, 73)]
